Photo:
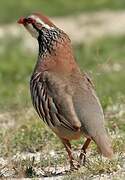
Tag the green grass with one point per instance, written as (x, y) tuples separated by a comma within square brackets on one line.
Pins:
[(15, 71), (105, 60), (12, 10), (101, 58)]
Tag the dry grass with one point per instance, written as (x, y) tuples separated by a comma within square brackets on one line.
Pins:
[(34, 151)]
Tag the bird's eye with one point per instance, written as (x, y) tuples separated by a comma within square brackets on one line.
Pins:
[(31, 21)]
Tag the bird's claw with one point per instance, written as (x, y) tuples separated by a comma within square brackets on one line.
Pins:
[(74, 165), (82, 159)]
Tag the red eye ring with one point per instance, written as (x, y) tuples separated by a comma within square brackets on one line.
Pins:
[(30, 21), (23, 20)]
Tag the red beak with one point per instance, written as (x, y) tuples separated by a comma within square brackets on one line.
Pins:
[(21, 20)]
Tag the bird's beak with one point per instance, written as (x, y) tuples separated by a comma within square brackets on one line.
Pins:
[(21, 20)]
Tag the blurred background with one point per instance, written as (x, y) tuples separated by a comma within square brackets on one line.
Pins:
[(97, 31)]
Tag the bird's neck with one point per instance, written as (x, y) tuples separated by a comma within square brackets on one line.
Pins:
[(46, 40), (55, 53)]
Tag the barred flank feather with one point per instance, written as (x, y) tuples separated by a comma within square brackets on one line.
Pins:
[(44, 104)]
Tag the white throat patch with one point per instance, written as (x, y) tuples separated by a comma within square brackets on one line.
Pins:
[(32, 31)]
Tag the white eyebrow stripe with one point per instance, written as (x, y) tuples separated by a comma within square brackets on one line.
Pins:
[(38, 20)]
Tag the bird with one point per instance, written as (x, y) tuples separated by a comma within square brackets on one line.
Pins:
[(63, 95)]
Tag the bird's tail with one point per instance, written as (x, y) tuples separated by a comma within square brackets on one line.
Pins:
[(104, 145)]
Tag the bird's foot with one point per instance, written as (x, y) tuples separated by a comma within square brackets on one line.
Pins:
[(82, 159), (74, 165)]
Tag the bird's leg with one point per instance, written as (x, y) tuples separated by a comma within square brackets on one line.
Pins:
[(82, 157), (73, 164)]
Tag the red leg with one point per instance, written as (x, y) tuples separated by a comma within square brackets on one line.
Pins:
[(73, 164), (82, 157)]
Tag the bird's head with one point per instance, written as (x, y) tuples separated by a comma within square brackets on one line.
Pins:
[(36, 24), (48, 35), (41, 28)]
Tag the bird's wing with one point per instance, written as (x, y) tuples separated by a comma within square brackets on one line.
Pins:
[(87, 106), (90, 114), (54, 104)]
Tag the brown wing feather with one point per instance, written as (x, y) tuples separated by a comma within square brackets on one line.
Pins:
[(52, 111)]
